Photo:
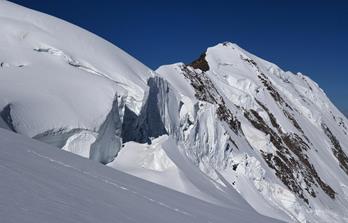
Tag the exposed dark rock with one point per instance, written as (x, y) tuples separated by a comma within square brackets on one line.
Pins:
[(271, 116), (234, 143), (309, 86), (235, 166), (250, 61), (200, 63), (227, 116), (273, 92), (284, 172), (299, 147), (284, 106), (267, 83), (42, 50), (227, 148), (290, 161), (337, 149), (293, 120), (340, 121), (206, 91)]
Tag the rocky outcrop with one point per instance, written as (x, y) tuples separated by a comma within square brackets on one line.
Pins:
[(200, 63)]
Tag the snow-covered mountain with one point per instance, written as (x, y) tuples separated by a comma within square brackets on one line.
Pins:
[(230, 129), (42, 184)]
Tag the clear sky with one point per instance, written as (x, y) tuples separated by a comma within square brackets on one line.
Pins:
[(299, 35)]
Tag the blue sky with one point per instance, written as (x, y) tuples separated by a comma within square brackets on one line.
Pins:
[(302, 36)]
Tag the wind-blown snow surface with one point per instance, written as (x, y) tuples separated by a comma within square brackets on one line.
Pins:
[(39, 183), (58, 78), (228, 122)]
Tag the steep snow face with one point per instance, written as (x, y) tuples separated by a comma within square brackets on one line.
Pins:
[(58, 80), (39, 183), (154, 162), (273, 135)]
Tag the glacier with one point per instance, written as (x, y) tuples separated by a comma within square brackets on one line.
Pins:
[(230, 128), (42, 184)]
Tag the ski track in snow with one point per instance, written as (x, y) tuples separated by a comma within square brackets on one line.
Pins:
[(43, 184), (109, 181)]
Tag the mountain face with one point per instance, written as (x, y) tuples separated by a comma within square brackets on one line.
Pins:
[(273, 135), (42, 184), (230, 128)]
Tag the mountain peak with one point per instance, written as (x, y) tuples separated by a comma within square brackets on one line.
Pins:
[(202, 63)]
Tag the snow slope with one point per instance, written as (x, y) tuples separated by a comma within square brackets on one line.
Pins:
[(40, 183), (227, 122), (57, 79), (273, 135), (163, 163)]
